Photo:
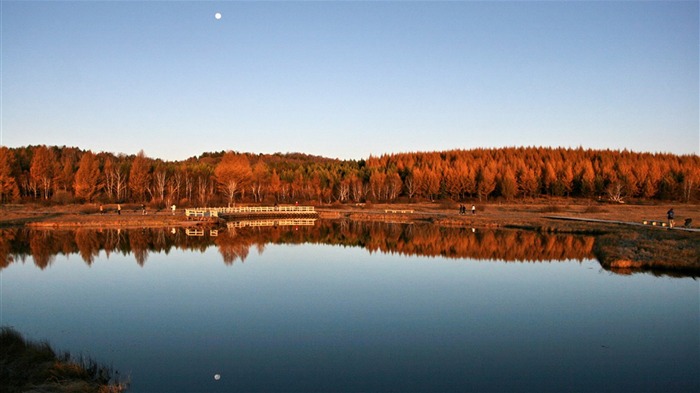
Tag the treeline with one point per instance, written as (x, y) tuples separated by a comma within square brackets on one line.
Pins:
[(68, 174)]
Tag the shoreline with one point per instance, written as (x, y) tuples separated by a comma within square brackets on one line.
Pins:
[(34, 366), (540, 215), (623, 242)]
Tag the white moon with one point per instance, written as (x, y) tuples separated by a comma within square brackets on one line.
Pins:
[(217, 15), (217, 376)]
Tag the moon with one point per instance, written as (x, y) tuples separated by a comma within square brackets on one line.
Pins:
[(217, 376), (217, 15)]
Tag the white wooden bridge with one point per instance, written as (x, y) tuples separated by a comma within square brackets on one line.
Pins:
[(250, 211)]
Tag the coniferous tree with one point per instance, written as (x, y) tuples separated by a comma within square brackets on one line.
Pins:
[(65, 176), (140, 177), (486, 181), (87, 178), (9, 191)]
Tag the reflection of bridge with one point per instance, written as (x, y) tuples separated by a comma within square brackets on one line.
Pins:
[(272, 223), (200, 232), (250, 211)]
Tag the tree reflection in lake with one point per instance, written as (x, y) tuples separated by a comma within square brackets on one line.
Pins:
[(235, 241), (234, 244)]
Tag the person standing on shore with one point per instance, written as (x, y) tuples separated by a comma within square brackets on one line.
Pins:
[(473, 209), (143, 209), (119, 209), (173, 209), (670, 215)]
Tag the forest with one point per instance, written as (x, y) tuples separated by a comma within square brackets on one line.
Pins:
[(66, 175)]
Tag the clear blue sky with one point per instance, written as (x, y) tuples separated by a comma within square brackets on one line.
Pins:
[(350, 79)]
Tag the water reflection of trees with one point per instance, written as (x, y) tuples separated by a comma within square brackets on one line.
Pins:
[(235, 243)]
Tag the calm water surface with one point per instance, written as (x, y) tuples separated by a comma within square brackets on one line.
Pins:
[(279, 309)]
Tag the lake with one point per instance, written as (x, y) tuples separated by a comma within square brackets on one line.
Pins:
[(344, 306)]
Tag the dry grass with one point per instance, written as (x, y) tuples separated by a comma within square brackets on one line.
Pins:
[(27, 366), (649, 250), (87, 216), (531, 215)]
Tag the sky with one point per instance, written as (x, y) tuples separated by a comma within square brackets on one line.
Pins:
[(349, 79)]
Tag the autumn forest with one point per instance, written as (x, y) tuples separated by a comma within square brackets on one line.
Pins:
[(61, 175)]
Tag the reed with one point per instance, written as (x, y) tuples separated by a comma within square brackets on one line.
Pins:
[(27, 366)]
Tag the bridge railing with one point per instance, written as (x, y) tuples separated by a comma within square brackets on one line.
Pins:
[(201, 212)]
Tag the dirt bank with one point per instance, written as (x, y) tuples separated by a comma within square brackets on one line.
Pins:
[(536, 215), (88, 216)]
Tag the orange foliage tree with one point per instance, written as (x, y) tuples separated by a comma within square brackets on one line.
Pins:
[(87, 178), (9, 191), (140, 177), (232, 173), (456, 175), (42, 170)]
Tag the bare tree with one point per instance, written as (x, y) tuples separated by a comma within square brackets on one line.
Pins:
[(174, 187), (615, 192), (203, 186), (410, 186), (160, 181), (344, 190), (394, 186), (42, 170)]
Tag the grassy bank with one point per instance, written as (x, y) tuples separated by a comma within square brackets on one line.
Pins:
[(658, 251), (27, 366)]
